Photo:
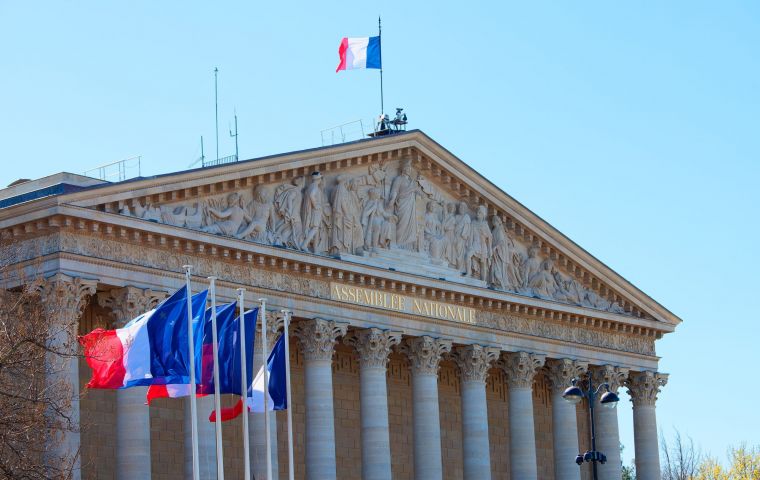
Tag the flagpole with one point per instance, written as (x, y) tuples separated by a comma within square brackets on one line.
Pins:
[(217, 395), (244, 387), (191, 346), (287, 314), (265, 352), (380, 38)]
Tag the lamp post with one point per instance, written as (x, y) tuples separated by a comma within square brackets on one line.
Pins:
[(574, 394)]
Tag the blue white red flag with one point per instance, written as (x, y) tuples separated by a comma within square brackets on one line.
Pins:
[(123, 357), (277, 391), (228, 335), (359, 52)]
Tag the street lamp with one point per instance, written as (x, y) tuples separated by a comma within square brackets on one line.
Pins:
[(609, 399)]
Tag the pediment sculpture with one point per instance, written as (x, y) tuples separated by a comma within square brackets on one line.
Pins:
[(405, 222)]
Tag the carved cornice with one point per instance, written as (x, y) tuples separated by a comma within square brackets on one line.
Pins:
[(609, 374), (373, 345), (424, 353), (521, 368), (128, 302), (561, 372), (289, 275), (474, 361), (317, 337), (643, 387)]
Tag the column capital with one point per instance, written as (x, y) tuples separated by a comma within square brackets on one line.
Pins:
[(64, 295), (561, 372), (317, 337), (609, 374), (425, 353), (521, 368), (643, 387), (128, 302), (275, 325), (373, 345), (474, 361)]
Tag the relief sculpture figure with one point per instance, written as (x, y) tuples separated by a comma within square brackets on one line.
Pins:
[(287, 205), (434, 240), (543, 283), (479, 246), (531, 266), (378, 229), (316, 214), (260, 225), (231, 218), (448, 226), (346, 234), (402, 202), (461, 236), (505, 271)]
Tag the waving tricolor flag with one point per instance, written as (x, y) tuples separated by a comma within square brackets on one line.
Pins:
[(131, 356), (359, 52), (277, 398)]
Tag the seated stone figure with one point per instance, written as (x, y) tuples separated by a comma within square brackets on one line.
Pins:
[(231, 218)]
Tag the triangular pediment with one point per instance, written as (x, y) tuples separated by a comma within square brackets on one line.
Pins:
[(401, 202)]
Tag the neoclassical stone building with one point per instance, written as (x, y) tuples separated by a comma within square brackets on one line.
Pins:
[(436, 319)]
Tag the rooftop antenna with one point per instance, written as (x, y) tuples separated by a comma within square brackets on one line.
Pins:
[(216, 110), (202, 158), (237, 157)]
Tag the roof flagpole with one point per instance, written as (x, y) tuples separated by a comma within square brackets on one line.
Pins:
[(380, 37)]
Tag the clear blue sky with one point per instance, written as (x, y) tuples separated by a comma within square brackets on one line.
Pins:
[(632, 127)]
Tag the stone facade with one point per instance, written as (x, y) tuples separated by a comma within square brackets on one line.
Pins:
[(436, 320)]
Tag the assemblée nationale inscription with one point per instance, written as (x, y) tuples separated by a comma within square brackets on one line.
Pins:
[(401, 303)]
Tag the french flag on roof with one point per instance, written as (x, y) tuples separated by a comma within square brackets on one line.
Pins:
[(359, 52)]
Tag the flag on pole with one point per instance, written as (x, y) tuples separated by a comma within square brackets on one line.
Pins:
[(277, 390), (228, 329), (122, 358), (359, 52)]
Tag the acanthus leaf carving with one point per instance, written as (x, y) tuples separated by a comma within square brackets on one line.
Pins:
[(424, 353), (643, 387), (373, 346), (561, 372), (317, 337), (521, 368), (474, 361), (128, 302)]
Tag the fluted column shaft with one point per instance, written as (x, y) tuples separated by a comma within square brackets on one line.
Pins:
[(474, 362), (607, 431), (521, 368), (373, 346), (317, 338), (424, 355), (643, 388), (63, 298), (257, 430), (564, 423), (133, 460)]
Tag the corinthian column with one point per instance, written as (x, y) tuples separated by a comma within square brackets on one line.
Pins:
[(520, 368), (643, 388), (317, 338), (564, 423), (607, 432), (257, 433), (63, 299), (373, 346), (474, 362), (424, 355), (132, 415)]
